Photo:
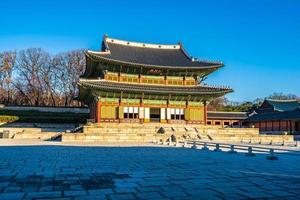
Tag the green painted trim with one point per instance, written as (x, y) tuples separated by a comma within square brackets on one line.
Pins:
[(177, 103), (112, 73), (175, 78), (194, 103), (109, 100), (154, 102), (130, 101), (153, 77), (130, 75), (188, 78)]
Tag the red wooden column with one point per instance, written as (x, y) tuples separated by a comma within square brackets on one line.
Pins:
[(98, 112), (205, 113)]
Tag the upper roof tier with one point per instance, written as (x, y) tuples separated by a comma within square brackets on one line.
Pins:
[(164, 57)]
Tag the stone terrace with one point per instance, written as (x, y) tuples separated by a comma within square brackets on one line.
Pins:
[(49, 170)]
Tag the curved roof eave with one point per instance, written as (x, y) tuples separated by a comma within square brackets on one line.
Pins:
[(111, 88), (91, 55)]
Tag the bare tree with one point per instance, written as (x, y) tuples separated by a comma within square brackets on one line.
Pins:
[(33, 75), (7, 64), (218, 104), (69, 66), (282, 96)]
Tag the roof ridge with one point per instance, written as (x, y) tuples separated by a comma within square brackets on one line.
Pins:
[(140, 44), (283, 100)]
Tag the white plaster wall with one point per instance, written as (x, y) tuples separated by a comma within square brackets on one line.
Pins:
[(141, 113), (147, 113), (168, 113), (162, 113)]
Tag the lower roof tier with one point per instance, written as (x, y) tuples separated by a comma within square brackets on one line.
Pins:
[(109, 86)]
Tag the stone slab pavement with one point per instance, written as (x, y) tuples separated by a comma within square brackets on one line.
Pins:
[(52, 170)]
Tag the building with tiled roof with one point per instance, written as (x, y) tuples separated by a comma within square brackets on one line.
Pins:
[(140, 82), (274, 105), (226, 119), (277, 116)]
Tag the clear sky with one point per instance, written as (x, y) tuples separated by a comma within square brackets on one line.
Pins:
[(258, 40)]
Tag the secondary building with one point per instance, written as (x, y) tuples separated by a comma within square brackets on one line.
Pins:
[(139, 82), (277, 116), (227, 119)]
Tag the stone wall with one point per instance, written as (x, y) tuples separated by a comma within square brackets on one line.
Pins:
[(26, 133)]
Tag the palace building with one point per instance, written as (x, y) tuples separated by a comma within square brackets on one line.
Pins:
[(277, 116), (139, 82)]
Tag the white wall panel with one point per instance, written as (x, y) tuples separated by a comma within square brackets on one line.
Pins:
[(162, 113), (147, 113), (141, 113), (168, 113)]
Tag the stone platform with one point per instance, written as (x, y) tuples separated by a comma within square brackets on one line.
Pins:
[(141, 133)]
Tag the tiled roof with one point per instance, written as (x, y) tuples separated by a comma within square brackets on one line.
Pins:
[(152, 89), (227, 115), (149, 55), (283, 105), (286, 115)]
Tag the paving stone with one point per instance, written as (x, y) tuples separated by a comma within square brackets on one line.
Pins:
[(75, 193), (281, 193), (199, 192), (154, 183), (12, 195), (121, 196), (125, 184), (174, 193), (51, 194), (12, 189), (148, 189), (46, 188), (149, 195), (100, 192)]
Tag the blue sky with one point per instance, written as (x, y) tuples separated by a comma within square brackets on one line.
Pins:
[(258, 40)]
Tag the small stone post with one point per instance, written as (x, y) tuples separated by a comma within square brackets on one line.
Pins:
[(250, 153), (205, 146), (282, 143), (170, 141), (194, 146), (184, 144), (217, 149), (232, 149), (272, 155), (296, 143)]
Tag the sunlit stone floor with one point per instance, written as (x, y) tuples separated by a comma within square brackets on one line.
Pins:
[(56, 171)]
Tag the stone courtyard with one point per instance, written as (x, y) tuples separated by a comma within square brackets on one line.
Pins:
[(51, 170)]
